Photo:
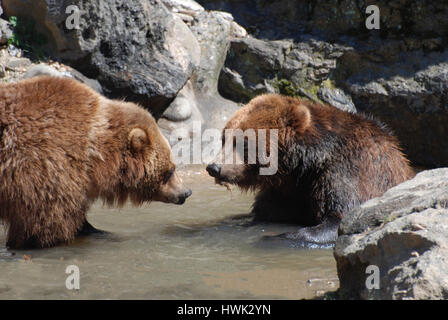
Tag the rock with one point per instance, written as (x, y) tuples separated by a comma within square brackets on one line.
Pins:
[(238, 31), (189, 7), (137, 49), (6, 31), (249, 65), (179, 110), (397, 74), (18, 63), (213, 31), (405, 234), (409, 94), (282, 19), (255, 66), (13, 51), (44, 69), (337, 97)]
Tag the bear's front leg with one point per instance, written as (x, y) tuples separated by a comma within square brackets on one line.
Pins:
[(88, 229), (272, 205), (24, 236), (44, 227), (321, 236)]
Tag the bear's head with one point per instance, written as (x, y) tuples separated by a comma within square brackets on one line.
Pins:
[(142, 168), (257, 141)]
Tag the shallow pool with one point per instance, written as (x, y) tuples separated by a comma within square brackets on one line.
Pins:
[(201, 250)]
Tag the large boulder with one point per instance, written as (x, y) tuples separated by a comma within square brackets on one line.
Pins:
[(407, 89), (405, 234), (199, 101), (136, 49), (280, 19), (255, 66)]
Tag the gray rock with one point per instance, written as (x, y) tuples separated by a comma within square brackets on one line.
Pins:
[(180, 109), (338, 98), (199, 101), (255, 66), (137, 49), (405, 234), (409, 94), (397, 74), (2, 71), (280, 19), (250, 63), (183, 6), (6, 30), (18, 63), (44, 69)]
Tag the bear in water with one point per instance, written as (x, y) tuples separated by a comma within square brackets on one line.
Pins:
[(328, 162), (62, 146)]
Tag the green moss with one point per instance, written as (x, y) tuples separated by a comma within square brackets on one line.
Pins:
[(26, 37), (303, 90), (328, 84), (285, 87)]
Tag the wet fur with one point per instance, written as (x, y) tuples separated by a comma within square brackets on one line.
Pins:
[(330, 161)]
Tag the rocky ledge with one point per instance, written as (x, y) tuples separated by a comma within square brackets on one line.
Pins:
[(405, 234)]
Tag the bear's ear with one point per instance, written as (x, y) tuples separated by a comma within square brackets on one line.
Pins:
[(138, 139), (301, 118)]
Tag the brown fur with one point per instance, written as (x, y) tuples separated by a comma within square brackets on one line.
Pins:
[(63, 146), (329, 161)]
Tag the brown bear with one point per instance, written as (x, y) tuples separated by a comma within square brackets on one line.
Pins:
[(62, 146), (329, 161)]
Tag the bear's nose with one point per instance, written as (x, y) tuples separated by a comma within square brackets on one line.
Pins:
[(187, 193), (213, 170)]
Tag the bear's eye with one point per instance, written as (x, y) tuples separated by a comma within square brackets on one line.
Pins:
[(168, 175)]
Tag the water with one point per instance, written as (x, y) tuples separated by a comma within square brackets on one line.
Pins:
[(201, 250)]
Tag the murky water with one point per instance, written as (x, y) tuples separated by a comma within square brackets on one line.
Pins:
[(201, 250)]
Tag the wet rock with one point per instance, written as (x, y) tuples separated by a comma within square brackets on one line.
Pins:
[(405, 234), (137, 49)]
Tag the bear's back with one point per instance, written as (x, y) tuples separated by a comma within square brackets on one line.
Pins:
[(45, 113), (44, 130)]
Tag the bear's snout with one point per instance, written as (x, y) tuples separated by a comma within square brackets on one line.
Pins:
[(184, 197), (214, 170)]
